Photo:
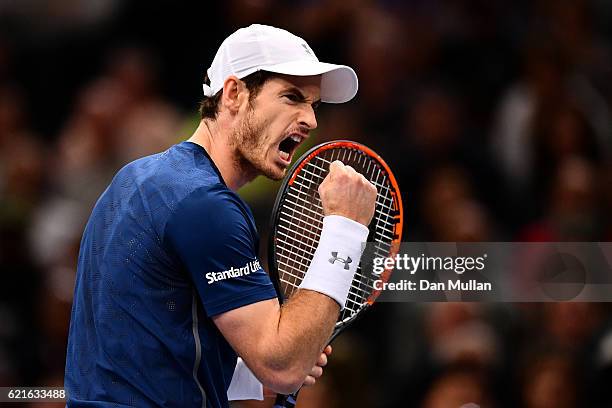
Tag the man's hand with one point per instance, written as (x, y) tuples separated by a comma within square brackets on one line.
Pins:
[(347, 193), (317, 370)]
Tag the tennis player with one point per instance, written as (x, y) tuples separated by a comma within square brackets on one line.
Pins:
[(170, 290)]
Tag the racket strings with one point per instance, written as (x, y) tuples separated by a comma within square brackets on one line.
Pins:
[(301, 222), (377, 184), (378, 211), (352, 303), (384, 231)]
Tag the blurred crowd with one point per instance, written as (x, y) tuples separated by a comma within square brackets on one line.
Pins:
[(495, 115)]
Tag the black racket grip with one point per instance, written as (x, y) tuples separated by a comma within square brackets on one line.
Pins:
[(286, 401)]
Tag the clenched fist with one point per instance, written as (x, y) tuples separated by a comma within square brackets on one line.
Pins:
[(347, 193)]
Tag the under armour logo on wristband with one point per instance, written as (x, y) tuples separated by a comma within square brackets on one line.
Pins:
[(335, 258)]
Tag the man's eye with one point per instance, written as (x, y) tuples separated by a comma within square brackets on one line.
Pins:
[(292, 97)]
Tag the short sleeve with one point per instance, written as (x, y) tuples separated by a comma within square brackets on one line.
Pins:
[(213, 239)]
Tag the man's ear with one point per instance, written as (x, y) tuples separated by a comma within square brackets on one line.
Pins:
[(235, 94)]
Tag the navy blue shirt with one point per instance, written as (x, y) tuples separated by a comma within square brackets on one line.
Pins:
[(167, 247)]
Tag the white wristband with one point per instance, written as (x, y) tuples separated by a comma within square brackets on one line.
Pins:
[(337, 257)]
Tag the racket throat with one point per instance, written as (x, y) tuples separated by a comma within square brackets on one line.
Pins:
[(286, 401)]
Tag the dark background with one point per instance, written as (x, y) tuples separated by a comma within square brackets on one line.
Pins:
[(495, 116)]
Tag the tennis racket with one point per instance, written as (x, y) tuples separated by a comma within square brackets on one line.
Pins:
[(297, 221)]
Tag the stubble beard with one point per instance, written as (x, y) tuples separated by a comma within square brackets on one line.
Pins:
[(251, 150)]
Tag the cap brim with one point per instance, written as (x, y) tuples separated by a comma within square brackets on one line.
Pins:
[(339, 83)]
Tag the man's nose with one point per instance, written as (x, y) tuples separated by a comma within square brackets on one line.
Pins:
[(308, 118)]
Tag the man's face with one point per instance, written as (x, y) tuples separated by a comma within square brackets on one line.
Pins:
[(276, 123)]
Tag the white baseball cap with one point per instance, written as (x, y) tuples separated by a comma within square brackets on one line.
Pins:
[(265, 48)]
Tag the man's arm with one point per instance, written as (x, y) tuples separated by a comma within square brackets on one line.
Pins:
[(282, 344)]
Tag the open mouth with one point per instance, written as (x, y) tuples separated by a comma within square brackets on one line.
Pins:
[(288, 145)]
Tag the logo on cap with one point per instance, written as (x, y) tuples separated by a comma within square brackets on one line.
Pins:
[(335, 258), (307, 49)]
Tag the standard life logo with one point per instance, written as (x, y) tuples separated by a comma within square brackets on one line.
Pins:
[(250, 267)]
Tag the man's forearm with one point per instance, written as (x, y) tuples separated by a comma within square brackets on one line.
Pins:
[(281, 344), (305, 325)]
